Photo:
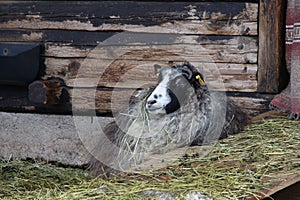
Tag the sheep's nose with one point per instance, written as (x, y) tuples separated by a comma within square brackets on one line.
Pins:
[(151, 102)]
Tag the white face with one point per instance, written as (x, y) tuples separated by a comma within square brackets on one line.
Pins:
[(159, 98), (174, 90)]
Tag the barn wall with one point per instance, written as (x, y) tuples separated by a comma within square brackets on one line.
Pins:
[(213, 35)]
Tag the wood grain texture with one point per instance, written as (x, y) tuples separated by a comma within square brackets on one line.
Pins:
[(134, 74), (271, 74), (231, 58), (103, 101), (107, 100), (110, 101), (208, 44), (70, 31), (235, 18), (219, 37)]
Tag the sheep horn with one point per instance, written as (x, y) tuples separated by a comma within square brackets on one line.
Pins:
[(187, 72)]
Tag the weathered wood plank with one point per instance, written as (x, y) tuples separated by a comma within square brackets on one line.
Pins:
[(134, 74), (126, 9), (271, 74), (210, 44), (135, 62), (11, 101), (252, 103), (235, 18), (86, 39), (68, 68), (225, 55), (213, 53), (135, 56), (103, 100), (178, 27), (74, 38)]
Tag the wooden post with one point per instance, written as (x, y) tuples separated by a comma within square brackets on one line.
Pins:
[(272, 76)]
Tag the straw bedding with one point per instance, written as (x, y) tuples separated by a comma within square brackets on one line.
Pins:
[(240, 166)]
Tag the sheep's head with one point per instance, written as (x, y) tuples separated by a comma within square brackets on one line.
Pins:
[(175, 86)]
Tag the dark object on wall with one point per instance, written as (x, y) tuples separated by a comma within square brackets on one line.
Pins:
[(19, 63), (49, 92)]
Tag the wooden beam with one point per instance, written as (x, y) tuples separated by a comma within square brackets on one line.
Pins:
[(219, 18), (271, 64), (103, 100)]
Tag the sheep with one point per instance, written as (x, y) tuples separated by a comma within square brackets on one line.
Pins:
[(179, 111)]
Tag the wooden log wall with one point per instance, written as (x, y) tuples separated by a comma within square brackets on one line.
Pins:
[(217, 36)]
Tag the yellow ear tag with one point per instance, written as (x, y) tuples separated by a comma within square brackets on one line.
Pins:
[(201, 81)]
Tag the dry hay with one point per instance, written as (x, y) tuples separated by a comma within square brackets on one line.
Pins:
[(240, 166)]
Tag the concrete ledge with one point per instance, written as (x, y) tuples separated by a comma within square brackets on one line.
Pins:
[(47, 137)]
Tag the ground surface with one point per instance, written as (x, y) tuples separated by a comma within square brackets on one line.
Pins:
[(266, 154), (44, 137)]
